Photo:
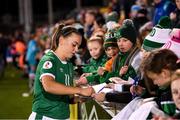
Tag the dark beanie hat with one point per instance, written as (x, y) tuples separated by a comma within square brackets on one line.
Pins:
[(127, 30), (164, 22), (110, 39)]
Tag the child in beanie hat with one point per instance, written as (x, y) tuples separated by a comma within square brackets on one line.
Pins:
[(121, 66), (174, 43), (128, 31), (111, 49), (159, 35), (110, 40)]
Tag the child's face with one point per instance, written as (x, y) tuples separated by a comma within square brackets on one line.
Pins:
[(175, 89), (161, 79), (111, 51), (124, 45), (144, 53), (95, 49)]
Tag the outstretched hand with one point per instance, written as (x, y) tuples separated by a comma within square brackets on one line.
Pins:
[(100, 97), (81, 81), (123, 70), (87, 91), (100, 71), (137, 90), (118, 80)]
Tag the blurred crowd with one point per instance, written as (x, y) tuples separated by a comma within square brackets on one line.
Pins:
[(120, 42)]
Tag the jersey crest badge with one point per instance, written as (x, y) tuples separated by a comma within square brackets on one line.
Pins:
[(47, 65), (61, 69)]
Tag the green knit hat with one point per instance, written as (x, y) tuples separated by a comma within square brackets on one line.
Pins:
[(164, 22), (110, 39), (127, 30), (156, 39), (159, 35)]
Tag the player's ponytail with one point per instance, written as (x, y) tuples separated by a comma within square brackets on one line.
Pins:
[(55, 36)]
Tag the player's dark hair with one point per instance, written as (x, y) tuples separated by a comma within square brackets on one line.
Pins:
[(64, 31)]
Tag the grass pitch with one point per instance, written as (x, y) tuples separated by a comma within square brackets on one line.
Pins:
[(12, 104)]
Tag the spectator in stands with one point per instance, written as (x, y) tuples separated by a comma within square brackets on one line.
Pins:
[(98, 59), (175, 15), (162, 8), (175, 90), (158, 67), (89, 22)]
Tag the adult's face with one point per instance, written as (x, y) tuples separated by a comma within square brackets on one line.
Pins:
[(69, 45)]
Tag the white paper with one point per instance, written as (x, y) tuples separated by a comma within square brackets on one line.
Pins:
[(101, 88), (106, 90), (98, 87)]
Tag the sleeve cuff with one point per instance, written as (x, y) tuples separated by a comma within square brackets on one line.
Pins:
[(48, 74)]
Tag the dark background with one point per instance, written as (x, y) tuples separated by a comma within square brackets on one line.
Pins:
[(9, 16), (39, 7)]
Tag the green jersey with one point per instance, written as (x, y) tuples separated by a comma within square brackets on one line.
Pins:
[(47, 104), (93, 66)]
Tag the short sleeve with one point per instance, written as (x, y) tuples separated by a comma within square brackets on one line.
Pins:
[(48, 68)]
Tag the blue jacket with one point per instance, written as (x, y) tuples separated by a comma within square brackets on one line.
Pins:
[(164, 8)]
